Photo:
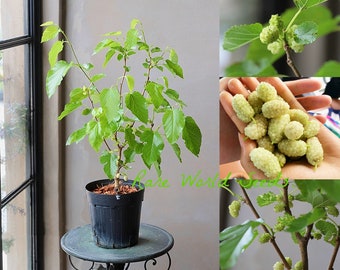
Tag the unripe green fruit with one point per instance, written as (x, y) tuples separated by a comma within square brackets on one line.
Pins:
[(298, 266), (242, 108), (278, 266), (234, 208), (264, 238), (275, 47), (269, 34)]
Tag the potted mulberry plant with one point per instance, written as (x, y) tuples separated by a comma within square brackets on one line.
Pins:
[(122, 120)]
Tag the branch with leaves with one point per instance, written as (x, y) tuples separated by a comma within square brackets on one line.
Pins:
[(121, 119), (284, 35), (319, 223)]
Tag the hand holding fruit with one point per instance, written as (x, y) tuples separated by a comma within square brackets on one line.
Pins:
[(240, 93)]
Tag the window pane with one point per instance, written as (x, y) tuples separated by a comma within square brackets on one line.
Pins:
[(13, 119), (15, 233), (13, 18)]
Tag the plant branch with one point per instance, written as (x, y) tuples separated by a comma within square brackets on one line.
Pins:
[(290, 62), (335, 252), (272, 240)]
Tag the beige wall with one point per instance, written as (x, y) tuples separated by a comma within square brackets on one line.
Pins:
[(190, 214)]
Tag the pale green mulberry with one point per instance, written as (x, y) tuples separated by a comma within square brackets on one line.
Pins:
[(255, 101), (281, 158), (275, 108), (311, 128), (234, 208), (314, 152), (292, 148), (257, 128), (293, 130), (278, 266), (269, 34), (299, 115), (266, 143), (266, 91), (265, 161), (276, 127), (242, 108), (275, 47)]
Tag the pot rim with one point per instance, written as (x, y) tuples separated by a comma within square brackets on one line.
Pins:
[(139, 185)]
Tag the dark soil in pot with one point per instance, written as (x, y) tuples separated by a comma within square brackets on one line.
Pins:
[(115, 218)]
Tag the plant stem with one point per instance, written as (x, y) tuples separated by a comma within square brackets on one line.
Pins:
[(272, 240), (303, 240), (335, 253), (290, 62)]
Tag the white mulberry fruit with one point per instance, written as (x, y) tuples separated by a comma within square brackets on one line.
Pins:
[(242, 108), (281, 158), (266, 91), (298, 115), (292, 148), (255, 101), (293, 130), (276, 127), (257, 128), (275, 108), (266, 143), (265, 161), (314, 153), (312, 128)]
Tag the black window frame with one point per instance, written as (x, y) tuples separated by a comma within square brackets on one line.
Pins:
[(33, 84)]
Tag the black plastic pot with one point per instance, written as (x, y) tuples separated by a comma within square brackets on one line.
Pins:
[(115, 219)]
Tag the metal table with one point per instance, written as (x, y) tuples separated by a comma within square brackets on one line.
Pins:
[(153, 242)]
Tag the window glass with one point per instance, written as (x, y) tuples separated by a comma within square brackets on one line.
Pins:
[(13, 18), (15, 231), (13, 119)]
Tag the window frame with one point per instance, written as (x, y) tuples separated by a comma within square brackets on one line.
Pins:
[(33, 88)]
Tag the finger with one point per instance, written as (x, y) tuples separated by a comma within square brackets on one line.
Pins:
[(224, 84), (302, 86), (250, 82), (321, 118), (226, 100), (235, 86), (315, 102)]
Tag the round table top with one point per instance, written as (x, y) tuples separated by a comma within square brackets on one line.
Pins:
[(153, 242)]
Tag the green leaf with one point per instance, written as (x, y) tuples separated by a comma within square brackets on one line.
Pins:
[(93, 129), (102, 44), (153, 147), (304, 220), (77, 94), (312, 192), (110, 102), (136, 103), (76, 136), (328, 230), (97, 77), (329, 68), (173, 123), (50, 32), (131, 39), (177, 151), (69, 107), (234, 240), (134, 23), (260, 67), (109, 160), (192, 136), (55, 76), (266, 198), (173, 94), (306, 32), (173, 57), (308, 3), (130, 82), (240, 35), (56, 48), (174, 68), (155, 91)]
